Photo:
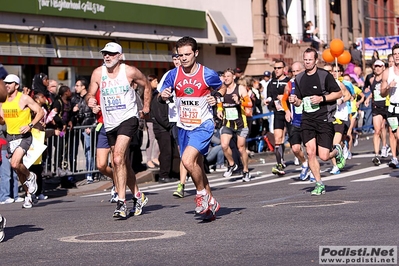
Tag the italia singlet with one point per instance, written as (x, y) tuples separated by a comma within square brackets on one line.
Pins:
[(191, 91), (14, 116), (118, 99)]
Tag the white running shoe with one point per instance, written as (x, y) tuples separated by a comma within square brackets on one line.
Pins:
[(28, 202), (31, 183), (2, 225)]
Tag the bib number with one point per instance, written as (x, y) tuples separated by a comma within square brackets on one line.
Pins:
[(308, 107), (114, 103), (190, 115), (231, 113), (393, 123)]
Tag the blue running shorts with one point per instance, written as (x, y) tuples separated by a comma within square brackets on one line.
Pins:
[(199, 138), (102, 140)]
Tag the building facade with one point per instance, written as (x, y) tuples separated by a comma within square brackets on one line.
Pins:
[(279, 26), (62, 38)]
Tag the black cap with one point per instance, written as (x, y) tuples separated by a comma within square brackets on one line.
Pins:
[(237, 70)]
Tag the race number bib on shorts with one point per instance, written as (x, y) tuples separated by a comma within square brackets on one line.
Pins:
[(14, 144), (114, 102), (308, 107), (393, 123), (190, 115), (231, 113)]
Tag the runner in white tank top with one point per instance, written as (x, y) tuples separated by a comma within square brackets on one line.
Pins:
[(389, 85), (120, 114)]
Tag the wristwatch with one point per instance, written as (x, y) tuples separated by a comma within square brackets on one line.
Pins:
[(30, 125)]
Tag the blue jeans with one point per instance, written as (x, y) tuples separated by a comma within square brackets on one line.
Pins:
[(216, 153), (88, 152), (6, 184)]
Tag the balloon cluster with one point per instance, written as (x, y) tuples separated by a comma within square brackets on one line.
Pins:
[(336, 52)]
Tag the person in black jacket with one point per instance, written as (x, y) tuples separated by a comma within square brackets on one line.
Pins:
[(167, 145)]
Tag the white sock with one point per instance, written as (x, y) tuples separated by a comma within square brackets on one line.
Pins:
[(201, 192)]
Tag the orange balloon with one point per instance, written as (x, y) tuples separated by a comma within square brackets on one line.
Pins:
[(344, 58), (327, 56), (336, 47)]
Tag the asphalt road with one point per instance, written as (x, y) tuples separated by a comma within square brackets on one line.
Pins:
[(268, 221)]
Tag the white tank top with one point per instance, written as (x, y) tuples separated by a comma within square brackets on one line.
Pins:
[(118, 99), (393, 92)]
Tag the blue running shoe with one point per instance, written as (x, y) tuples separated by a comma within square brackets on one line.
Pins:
[(304, 173)]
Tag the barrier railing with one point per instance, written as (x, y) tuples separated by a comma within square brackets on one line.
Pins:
[(71, 153)]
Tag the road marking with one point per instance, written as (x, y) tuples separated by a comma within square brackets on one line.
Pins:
[(309, 204), (346, 174), (158, 235), (373, 178), (236, 181)]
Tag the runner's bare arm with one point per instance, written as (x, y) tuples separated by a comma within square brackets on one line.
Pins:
[(384, 89), (34, 106), (93, 87), (3, 92)]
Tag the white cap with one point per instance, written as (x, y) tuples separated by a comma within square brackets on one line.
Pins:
[(378, 63), (112, 47), (12, 78)]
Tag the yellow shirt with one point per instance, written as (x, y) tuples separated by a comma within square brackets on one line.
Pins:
[(14, 116)]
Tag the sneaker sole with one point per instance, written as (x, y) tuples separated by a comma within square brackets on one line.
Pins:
[(322, 193), (211, 216), (2, 229), (119, 216), (178, 195), (230, 174)]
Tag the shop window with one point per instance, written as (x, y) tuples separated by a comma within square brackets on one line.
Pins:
[(61, 41), (136, 47), (5, 37), (75, 41)]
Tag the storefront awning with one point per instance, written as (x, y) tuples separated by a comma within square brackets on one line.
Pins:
[(226, 32)]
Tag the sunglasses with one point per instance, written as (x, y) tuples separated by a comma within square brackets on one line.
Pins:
[(109, 53), (278, 68), (377, 66), (9, 83)]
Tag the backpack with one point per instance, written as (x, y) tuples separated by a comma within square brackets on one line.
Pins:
[(331, 108)]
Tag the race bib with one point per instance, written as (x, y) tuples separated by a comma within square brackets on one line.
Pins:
[(278, 105), (190, 115), (231, 113), (114, 102), (308, 107), (14, 144), (393, 123), (298, 110)]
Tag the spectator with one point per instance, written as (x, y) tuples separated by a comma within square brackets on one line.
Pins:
[(309, 35), (83, 116), (62, 106), (152, 150), (40, 84), (215, 157), (356, 54)]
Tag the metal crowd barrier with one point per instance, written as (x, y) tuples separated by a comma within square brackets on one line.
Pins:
[(66, 154)]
